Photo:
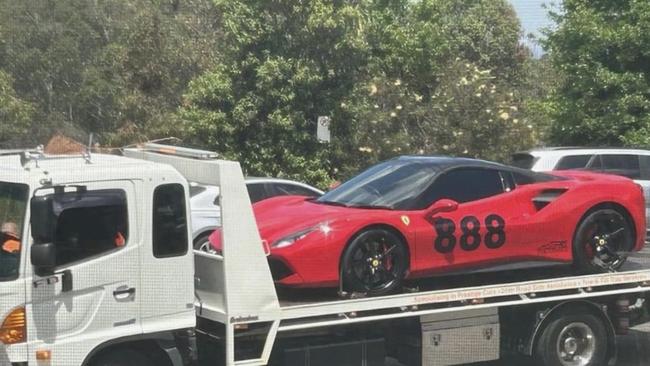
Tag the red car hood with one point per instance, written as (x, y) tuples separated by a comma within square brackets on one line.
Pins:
[(281, 216)]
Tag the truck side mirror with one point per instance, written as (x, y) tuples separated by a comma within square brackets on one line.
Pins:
[(43, 258), (42, 219), (443, 205)]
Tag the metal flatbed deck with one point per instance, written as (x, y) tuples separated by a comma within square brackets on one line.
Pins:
[(320, 308)]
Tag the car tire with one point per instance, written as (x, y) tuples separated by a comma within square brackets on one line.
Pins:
[(374, 263), (572, 337), (593, 227), (202, 243)]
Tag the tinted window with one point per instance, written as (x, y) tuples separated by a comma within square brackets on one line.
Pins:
[(256, 191), (625, 165), (13, 202), (169, 221), (573, 162), (644, 162), (89, 224), (285, 189), (466, 185), (523, 160)]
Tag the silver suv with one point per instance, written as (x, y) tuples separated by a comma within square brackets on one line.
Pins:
[(631, 163)]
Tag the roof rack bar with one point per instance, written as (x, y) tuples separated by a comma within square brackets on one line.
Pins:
[(179, 151), (8, 152)]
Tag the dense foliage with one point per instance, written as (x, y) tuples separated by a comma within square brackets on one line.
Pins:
[(250, 78), (396, 77), (114, 68), (601, 48)]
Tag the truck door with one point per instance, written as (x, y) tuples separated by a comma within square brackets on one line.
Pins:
[(13, 206), (168, 263), (93, 292)]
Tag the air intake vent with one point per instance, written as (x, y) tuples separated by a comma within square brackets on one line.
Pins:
[(547, 196)]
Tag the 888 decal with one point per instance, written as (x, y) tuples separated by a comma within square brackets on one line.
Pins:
[(470, 239)]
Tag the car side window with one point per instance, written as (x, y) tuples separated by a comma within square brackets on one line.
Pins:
[(644, 164), (169, 221), (573, 162), (466, 185), (89, 224), (285, 189), (256, 191), (626, 165)]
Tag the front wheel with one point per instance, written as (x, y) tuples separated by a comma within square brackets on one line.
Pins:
[(374, 263), (602, 239), (572, 340)]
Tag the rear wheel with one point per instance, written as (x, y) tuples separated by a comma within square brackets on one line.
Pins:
[(601, 242), (572, 340), (375, 262)]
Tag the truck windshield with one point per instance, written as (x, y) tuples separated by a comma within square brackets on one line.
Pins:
[(13, 203)]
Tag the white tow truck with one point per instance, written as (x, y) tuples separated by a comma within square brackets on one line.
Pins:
[(106, 276)]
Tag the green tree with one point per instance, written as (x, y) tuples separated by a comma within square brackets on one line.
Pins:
[(445, 77), (285, 64), (396, 76), (117, 69), (15, 114), (601, 48)]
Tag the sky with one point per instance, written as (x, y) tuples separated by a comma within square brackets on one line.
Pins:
[(534, 17)]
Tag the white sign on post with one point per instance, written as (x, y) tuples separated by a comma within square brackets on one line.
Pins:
[(323, 129)]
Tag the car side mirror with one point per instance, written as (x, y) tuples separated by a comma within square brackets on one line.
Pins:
[(43, 257), (443, 205)]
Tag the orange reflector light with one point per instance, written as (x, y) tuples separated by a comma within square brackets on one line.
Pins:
[(43, 355), (13, 328)]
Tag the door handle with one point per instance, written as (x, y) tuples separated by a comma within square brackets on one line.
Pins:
[(124, 293)]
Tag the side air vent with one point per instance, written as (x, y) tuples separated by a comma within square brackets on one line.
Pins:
[(547, 196)]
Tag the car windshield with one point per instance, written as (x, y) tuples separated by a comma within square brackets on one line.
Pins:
[(13, 203), (395, 184)]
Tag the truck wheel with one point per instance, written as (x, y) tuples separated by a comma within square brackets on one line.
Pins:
[(572, 340), (374, 263), (599, 237), (121, 357)]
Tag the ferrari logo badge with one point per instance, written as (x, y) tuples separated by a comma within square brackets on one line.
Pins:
[(406, 220)]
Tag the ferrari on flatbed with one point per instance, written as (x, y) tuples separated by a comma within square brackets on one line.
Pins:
[(415, 216)]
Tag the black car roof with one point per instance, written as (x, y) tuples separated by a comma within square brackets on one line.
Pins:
[(445, 162)]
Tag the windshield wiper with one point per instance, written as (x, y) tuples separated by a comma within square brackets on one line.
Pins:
[(332, 203)]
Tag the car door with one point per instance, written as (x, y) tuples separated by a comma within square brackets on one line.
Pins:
[(485, 227), (94, 288)]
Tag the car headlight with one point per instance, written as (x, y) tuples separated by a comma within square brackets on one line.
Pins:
[(291, 239)]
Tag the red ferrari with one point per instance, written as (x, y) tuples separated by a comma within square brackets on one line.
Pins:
[(414, 217)]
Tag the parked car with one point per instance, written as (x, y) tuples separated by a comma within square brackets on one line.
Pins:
[(419, 216), (206, 215), (631, 163)]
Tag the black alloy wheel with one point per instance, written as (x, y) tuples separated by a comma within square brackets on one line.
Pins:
[(374, 263), (602, 241)]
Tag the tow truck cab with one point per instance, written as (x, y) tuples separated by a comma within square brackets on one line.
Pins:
[(105, 260)]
